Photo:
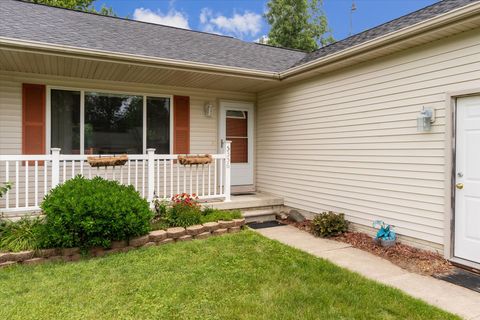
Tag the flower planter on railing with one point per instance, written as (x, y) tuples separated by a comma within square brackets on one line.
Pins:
[(195, 160), (109, 161)]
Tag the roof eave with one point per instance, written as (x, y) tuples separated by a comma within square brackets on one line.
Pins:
[(425, 26), (313, 66), (132, 59)]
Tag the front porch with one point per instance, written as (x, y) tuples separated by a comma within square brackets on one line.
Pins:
[(51, 122), (152, 175)]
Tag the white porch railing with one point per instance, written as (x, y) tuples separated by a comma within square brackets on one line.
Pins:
[(152, 175)]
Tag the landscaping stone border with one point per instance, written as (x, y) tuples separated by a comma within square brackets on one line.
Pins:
[(154, 238)]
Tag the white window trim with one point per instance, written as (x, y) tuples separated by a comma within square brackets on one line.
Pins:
[(82, 114)]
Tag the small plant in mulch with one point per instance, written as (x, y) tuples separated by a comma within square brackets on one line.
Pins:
[(329, 224)]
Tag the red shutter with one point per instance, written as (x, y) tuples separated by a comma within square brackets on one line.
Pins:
[(181, 125), (33, 119)]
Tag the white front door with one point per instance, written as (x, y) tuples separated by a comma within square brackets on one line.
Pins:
[(236, 125), (467, 180)]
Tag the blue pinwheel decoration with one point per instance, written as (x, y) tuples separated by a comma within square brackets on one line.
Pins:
[(385, 231)]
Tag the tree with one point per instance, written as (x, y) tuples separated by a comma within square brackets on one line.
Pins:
[(297, 24), (81, 5)]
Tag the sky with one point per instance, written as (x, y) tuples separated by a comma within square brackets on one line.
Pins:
[(243, 18)]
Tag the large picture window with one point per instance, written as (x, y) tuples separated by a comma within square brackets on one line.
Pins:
[(90, 122)]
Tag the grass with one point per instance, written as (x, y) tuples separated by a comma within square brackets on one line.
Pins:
[(237, 276)]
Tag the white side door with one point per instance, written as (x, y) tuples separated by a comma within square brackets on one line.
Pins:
[(467, 182), (237, 125)]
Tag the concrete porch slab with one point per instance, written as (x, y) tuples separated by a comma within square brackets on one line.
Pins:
[(256, 200)]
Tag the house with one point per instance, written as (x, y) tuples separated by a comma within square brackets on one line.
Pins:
[(381, 125)]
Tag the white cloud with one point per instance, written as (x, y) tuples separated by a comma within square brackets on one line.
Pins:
[(205, 13), (263, 39), (172, 18), (239, 25)]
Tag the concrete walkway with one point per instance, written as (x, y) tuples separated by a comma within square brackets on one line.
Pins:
[(444, 295)]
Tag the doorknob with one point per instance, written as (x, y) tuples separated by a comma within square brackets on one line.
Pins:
[(459, 186)]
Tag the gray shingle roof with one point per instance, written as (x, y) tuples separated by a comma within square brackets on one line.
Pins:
[(35, 22), (27, 21), (388, 27)]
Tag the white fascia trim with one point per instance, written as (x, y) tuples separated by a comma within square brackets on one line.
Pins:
[(133, 59), (424, 26)]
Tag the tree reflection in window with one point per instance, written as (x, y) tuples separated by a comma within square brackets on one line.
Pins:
[(113, 123)]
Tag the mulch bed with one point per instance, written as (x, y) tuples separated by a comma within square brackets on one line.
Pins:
[(412, 259)]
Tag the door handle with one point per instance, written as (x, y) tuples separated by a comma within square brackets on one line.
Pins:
[(459, 186), (221, 143)]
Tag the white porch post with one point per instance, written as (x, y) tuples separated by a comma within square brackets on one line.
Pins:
[(151, 174), (55, 166), (227, 186)]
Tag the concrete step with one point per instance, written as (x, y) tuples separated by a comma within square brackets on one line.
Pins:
[(259, 215), (243, 202)]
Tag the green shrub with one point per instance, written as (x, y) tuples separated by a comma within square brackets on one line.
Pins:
[(213, 215), (88, 213), (182, 215), (20, 235), (184, 211), (328, 224)]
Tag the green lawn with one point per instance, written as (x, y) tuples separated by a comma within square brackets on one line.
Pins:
[(239, 276)]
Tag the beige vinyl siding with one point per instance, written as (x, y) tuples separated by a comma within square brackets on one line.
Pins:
[(10, 117), (203, 135), (347, 141)]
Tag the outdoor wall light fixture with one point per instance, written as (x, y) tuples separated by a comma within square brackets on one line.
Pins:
[(208, 109), (425, 119)]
